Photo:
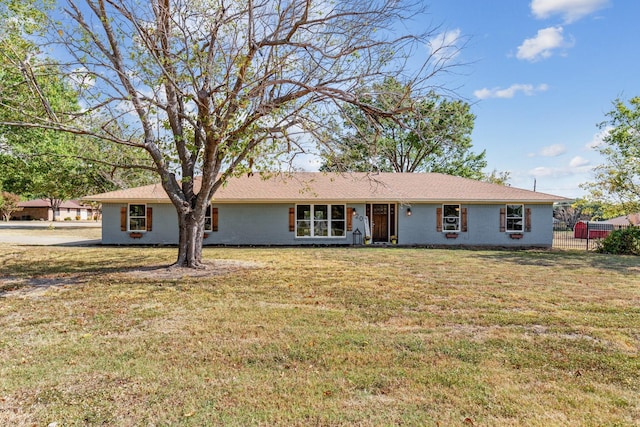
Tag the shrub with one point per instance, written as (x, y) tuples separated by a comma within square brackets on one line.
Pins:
[(621, 242)]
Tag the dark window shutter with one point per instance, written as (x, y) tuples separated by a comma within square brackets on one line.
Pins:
[(292, 219), (503, 219), (214, 219), (463, 219), (527, 219), (123, 218), (438, 219), (149, 219), (349, 219)]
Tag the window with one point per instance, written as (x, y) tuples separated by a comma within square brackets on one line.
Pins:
[(137, 218), (211, 219), (208, 223), (515, 218), (338, 221), (320, 221), (451, 218)]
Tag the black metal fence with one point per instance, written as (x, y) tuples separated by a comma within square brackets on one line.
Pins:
[(585, 235)]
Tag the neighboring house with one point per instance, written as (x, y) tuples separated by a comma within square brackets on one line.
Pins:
[(625, 220), (40, 209), (330, 209)]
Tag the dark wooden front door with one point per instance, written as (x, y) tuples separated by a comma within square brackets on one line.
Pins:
[(380, 220)]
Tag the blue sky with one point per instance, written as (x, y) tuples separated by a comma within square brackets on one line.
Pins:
[(540, 76)]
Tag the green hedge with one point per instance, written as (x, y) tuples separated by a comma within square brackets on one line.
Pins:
[(625, 241)]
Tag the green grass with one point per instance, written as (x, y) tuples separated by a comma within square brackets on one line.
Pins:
[(321, 336)]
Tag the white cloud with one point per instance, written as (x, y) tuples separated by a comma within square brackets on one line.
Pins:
[(510, 92), (598, 139), (553, 150), (570, 10), (307, 162), (443, 46), (563, 180), (558, 172), (578, 161), (543, 44), (576, 166), (543, 171)]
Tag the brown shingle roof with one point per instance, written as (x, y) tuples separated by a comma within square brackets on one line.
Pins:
[(351, 187), (631, 219), (45, 203)]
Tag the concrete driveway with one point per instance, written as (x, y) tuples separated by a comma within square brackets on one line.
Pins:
[(26, 233)]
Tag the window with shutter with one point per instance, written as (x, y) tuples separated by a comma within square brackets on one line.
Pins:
[(137, 217), (450, 218), (211, 219), (515, 218)]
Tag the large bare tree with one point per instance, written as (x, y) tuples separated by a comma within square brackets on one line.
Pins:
[(217, 88)]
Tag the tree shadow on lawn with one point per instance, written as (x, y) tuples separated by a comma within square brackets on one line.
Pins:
[(35, 286), (25, 267), (34, 279), (41, 267), (623, 264)]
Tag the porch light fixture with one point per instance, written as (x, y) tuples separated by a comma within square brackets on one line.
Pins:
[(357, 237), (354, 213), (408, 211)]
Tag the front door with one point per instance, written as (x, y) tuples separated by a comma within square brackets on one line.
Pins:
[(380, 223)]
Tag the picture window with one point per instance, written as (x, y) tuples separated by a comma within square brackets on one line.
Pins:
[(320, 221)]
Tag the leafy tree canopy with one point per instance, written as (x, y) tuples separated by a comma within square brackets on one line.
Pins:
[(44, 161), (8, 204), (431, 134), (617, 181), (497, 177)]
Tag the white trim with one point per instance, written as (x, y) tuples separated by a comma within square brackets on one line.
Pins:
[(312, 221), (506, 218), (458, 221), (144, 207), (210, 216)]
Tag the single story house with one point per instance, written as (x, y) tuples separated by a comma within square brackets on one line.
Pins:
[(625, 220), (40, 209), (316, 208)]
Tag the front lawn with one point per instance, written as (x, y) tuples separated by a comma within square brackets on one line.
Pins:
[(367, 336)]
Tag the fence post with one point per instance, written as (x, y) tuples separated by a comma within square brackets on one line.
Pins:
[(588, 235)]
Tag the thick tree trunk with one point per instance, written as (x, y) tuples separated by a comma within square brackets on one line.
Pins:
[(190, 240)]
